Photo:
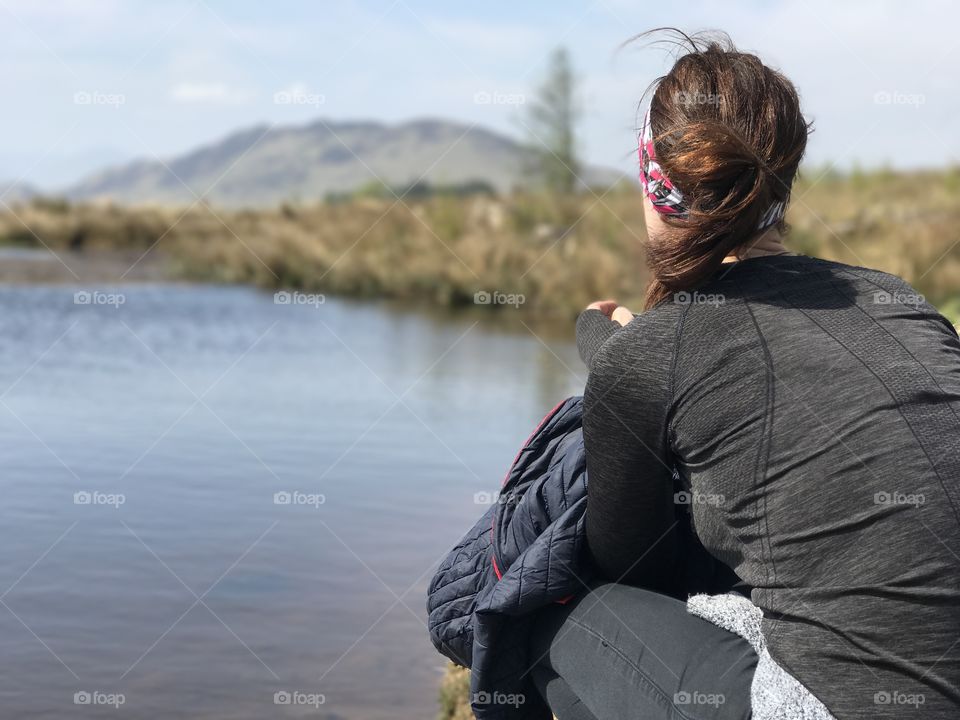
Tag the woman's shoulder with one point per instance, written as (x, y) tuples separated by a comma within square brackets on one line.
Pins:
[(799, 268), (853, 294), (775, 277), (645, 343)]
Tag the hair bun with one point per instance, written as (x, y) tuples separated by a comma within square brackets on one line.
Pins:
[(729, 134)]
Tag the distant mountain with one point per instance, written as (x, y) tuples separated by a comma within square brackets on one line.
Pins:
[(264, 166), (59, 166), (13, 192)]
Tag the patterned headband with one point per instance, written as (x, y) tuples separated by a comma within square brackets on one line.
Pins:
[(666, 197)]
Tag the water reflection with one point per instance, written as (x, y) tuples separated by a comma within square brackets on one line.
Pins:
[(198, 596)]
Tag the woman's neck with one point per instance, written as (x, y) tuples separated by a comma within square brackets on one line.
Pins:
[(768, 243)]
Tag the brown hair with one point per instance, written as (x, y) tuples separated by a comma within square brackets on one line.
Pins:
[(729, 134)]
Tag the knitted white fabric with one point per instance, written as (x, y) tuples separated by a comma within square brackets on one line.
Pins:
[(775, 693)]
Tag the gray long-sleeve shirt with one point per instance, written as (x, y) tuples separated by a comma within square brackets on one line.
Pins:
[(814, 410)]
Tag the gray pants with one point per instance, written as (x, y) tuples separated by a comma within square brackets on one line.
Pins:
[(620, 652)]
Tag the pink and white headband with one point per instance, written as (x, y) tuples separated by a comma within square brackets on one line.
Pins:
[(666, 197)]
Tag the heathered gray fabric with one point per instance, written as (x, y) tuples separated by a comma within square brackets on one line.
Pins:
[(774, 693), (812, 408)]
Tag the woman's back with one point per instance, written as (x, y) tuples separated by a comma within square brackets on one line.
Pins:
[(814, 409)]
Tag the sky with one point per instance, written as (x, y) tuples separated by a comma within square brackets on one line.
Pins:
[(90, 83)]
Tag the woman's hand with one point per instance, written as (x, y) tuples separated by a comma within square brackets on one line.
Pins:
[(616, 312)]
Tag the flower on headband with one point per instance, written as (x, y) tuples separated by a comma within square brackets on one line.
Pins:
[(666, 197)]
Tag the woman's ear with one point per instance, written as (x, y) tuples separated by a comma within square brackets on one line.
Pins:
[(652, 219)]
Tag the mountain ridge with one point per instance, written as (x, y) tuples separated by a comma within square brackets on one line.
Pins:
[(264, 165), (12, 191)]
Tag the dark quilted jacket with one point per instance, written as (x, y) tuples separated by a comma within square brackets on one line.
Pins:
[(524, 553)]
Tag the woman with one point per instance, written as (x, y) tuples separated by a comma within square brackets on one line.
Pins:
[(810, 410)]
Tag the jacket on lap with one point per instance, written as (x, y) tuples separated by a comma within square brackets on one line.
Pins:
[(526, 552)]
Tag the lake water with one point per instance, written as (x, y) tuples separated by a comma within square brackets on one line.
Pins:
[(143, 549)]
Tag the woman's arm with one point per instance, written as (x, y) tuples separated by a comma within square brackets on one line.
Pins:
[(593, 330), (631, 526), (597, 324)]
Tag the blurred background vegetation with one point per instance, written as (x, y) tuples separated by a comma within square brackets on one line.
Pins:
[(442, 246)]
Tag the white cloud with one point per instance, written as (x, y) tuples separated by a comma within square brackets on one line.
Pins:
[(460, 34), (60, 10), (211, 93)]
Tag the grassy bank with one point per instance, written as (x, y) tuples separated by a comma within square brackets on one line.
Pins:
[(553, 253), (455, 694)]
